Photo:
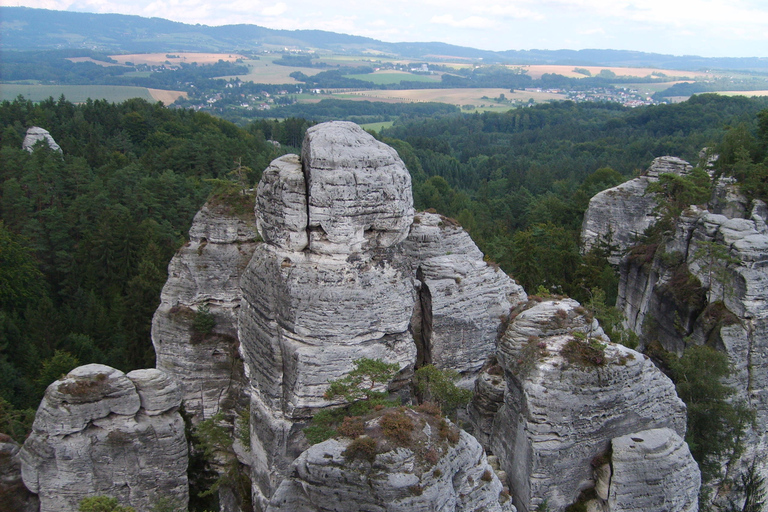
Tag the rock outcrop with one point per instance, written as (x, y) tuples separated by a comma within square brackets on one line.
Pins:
[(569, 392), (194, 330), (725, 303), (652, 471), (36, 134), (430, 474), (99, 431), (13, 495), (464, 301), (348, 272), (619, 216)]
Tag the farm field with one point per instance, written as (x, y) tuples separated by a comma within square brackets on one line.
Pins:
[(377, 127), (536, 71), (456, 96), (263, 71), (80, 93), (156, 59), (743, 93), (394, 77)]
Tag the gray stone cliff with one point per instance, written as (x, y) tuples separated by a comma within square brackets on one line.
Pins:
[(707, 283), (621, 214), (563, 403), (204, 279), (99, 431), (347, 271), (398, 479)]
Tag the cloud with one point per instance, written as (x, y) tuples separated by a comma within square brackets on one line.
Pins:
[(274, 10), (470, 22)]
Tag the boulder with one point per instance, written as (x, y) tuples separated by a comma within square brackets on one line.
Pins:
[(432, 474), (653, 471), (358, 190), (92, 436), (569, 393), (36, 134)]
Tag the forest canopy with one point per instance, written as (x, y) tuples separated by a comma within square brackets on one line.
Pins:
[(87, 234)]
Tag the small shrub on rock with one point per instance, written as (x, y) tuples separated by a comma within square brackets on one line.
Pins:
[(362, 448), (590, 353), (397, 427), (351, 427)]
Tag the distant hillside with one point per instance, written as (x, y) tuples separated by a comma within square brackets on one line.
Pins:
[(24, 28)]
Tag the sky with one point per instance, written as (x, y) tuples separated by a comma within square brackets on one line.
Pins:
[(708, 28)]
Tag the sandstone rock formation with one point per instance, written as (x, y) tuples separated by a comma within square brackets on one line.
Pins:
[(36, 134), (348, 272), (399, 478), (621, 214), (358, 190), (99, 431), (464, 301), (652, 471), (204, 284), (569, 392), (729, 310), (13, 495)]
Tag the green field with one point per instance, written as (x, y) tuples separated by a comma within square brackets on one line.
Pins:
[(74, 93), (394, 78), (377, 127)]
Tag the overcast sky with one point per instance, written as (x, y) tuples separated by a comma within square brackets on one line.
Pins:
[(710, 28)]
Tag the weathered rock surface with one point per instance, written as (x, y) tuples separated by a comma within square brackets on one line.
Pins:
[(358, 190), (281, 211), (359, 285), (464, 301), (13, 495), (36, 134), (204, 279), (93, 436), (738, 281), (398, 479), (653, 471), (621, 214), (564, 404)]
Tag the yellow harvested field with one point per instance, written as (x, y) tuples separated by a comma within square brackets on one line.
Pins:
[(155, 59), (535, 71), (167, 97), (263, 71), (455, 96), (743, 93)]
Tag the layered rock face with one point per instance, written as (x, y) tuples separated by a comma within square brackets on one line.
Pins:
[(458, 479), (728, 311), (652, 471), (569, 392), (348, 272), (204, 285), (36, 134), (464, 301), (99, 431), (621, 214), (13, 495)]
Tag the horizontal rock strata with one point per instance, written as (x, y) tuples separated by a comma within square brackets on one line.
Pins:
[(565, 403), (621, 214), (458, 479), (93, 436)]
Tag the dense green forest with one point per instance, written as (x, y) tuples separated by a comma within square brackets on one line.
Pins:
[(86, 234)]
